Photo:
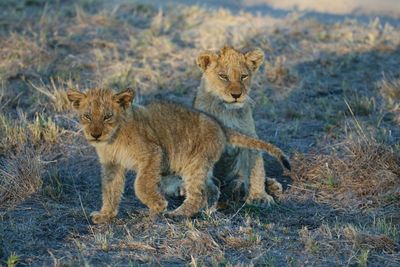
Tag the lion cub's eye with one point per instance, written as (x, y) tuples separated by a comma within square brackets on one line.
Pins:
[(223, 77), (244, 77), (87, 117), (108, 116)]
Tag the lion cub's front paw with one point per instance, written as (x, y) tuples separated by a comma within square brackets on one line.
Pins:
[(262, 199), (98, 217), (181, 211)]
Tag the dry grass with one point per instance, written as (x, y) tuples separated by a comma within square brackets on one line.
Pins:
[(22, 56), (341, 206), (15, 135), (357, 173), (56, 92), (279, 74), (370, 241), (196, 243), (390, 91), (20, 177)]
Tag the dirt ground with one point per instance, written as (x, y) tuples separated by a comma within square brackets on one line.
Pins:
[(328, 94)]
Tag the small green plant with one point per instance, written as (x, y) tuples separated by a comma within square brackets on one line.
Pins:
[(387, 228), (392, 198), (55, 187), (270, 261), (285, 230), (362, 106), (331, 181), (43, 129), (315, 248), (253, 211), (362, 258), (12, 260), (102, 240), (323, 36), (254, 238)]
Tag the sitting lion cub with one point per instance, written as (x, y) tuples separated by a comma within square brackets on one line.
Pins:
[(152, 140), (224, 94)]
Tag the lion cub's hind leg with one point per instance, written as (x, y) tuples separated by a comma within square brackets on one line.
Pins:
[(173, 186), (194, 182), (274, 186), (212, 192), (257, 194)]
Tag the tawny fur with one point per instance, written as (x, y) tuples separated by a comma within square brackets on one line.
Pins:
[(153, 140), (238, 166), (227, 74)]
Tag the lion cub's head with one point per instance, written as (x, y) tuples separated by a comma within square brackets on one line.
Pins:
[(228, 73), (100, 111)]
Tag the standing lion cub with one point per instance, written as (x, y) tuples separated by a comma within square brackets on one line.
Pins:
[(153, 140)]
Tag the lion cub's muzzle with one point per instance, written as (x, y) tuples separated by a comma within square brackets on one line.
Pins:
[(95, 134), (236, 95), (236, 92)]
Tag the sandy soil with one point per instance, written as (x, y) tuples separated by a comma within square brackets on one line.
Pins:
[(389, 8), (342, 7)]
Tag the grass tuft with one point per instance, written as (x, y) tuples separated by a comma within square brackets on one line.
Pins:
[(308, 239), (390, 90), (20, 177), (387, 227), (199, 243), (360, 169), (362, 257), (12, 260), (279, 74), (56, 92), (365, 240)]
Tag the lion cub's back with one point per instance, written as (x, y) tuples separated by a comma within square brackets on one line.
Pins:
[(185, 131)]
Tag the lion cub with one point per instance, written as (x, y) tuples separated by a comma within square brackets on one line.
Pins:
[(156, 139), (224, 93)]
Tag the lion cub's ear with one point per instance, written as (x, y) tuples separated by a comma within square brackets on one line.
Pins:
[(254, 59), (205, 58), (124, 98), (75, 97)]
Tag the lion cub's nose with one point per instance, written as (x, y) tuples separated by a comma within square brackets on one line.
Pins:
[(236, 96), (95, 135)]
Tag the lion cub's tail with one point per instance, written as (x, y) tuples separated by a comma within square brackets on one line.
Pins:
[(244, 141)]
